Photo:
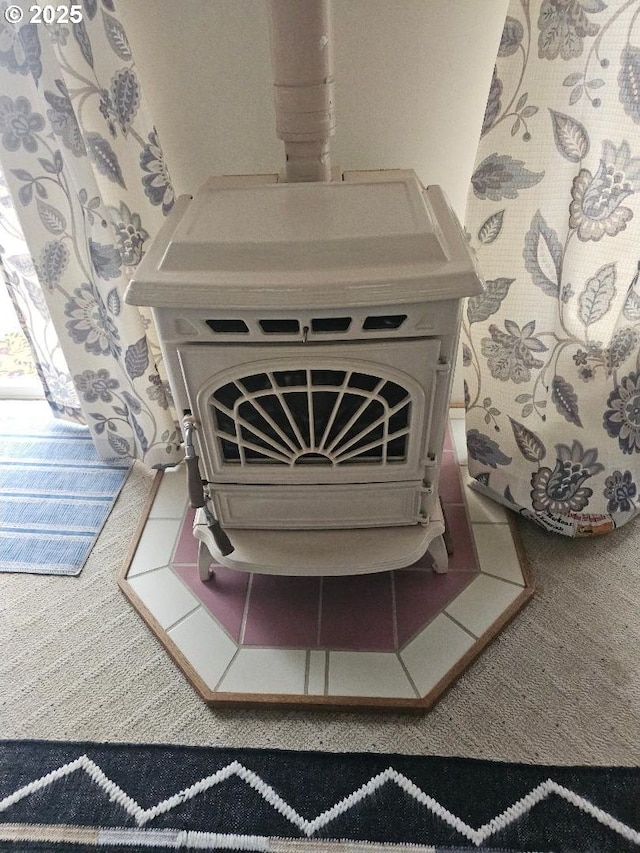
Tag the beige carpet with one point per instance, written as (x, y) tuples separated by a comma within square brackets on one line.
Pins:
[(560, 685)]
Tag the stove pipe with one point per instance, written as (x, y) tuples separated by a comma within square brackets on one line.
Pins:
[(302, 63)]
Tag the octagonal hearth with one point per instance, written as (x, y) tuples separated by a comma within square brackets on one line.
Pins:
[(387, 640)]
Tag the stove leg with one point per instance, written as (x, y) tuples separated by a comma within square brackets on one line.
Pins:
[(438, 551), (204, 562)]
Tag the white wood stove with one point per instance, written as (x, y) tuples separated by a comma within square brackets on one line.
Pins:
[(309, 332)]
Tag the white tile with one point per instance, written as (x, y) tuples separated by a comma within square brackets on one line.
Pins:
[(482, 602), (164, 595), (205, 645), (373, 674), (266, 671), (459, 435), (171, 498), (155, 546), (317, 668), (496, 551), (431, 654), (480, 507)]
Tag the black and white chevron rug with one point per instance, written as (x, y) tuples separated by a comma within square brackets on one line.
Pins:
[(57, 796)]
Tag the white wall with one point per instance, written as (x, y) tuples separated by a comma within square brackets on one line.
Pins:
[(412, 77)]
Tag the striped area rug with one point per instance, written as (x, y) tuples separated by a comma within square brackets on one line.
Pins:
[(57, 796), (55, 493)]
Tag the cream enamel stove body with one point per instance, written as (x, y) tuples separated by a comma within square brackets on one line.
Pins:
[(309, 333)]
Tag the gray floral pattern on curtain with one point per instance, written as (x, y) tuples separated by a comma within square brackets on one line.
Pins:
[(552, 349), (90, 186)]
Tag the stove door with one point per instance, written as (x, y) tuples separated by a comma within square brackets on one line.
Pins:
[(313, 413)]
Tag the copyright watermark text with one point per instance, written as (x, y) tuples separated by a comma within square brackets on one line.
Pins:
[(44, 14)]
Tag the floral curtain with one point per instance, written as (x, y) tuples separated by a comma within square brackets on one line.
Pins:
[(84, 167), (552, 349)]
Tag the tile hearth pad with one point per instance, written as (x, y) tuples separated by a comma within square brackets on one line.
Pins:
[(386, 640)]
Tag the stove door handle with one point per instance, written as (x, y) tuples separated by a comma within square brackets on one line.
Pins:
[(195, 485), (194, 482), (223, 543)]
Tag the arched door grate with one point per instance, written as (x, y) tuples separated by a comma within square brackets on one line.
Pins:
[(312, 417)]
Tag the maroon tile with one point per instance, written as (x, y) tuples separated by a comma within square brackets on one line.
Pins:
[(224, 595), (186, 550), (449, 484), (420, 596), (357, 613), (463, 558), (283, 611)]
